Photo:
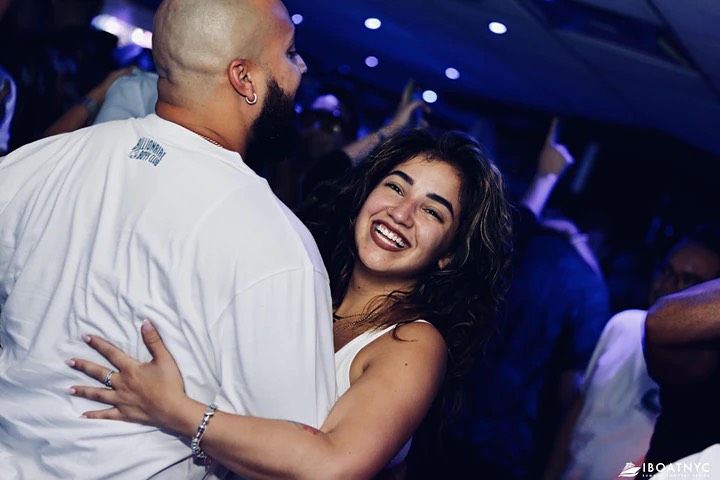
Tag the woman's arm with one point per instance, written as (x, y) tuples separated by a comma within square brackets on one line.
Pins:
[(364, 430)]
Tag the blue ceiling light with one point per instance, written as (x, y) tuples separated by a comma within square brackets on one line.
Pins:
[(429, 96), (497, 27), (371, 61), (297, 19), (372, 23), (452, 73)]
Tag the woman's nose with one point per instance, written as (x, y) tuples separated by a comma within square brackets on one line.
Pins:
[(402, 213)]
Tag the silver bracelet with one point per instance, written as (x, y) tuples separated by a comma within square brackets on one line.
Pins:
[(197, 452)]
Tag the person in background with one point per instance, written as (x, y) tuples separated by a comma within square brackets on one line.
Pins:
[(130, 96), (8, 95), (614, 416), (681, 350), (554, 312), (417, 241), (83, 113), (328, 143), (56, 58), (161, 217)]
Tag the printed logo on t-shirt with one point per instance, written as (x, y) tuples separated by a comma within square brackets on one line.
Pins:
[(147, 149)]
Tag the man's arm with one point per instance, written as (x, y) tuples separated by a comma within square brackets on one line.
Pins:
[(360, 148), (681, 335), (552, 162), (82, 114)]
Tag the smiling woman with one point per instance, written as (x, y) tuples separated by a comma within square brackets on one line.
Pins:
[(408, 221), (417, 243)]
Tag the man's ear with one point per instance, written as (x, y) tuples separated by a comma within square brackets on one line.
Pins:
[(240, 73)]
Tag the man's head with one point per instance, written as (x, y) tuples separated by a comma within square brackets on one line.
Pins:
[(695, 259), (327, 124), (219, 61)]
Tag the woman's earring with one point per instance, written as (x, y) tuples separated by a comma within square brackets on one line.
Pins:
[(254, 100)]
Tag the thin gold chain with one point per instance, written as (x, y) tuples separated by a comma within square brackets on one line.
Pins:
[(348, 325), (342, 317), (210, 140)]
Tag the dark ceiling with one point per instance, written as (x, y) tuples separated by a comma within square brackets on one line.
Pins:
[(646, 63), (650, 63)]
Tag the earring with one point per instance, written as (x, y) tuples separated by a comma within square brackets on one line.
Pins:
[(254, 100)]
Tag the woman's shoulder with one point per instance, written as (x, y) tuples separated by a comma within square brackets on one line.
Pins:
[(419, 330), (413, 338)]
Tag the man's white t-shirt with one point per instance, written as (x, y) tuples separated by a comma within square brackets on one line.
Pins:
[(109, 225), (621, 403)]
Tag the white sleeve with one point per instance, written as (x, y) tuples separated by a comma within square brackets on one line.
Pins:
[(274, 349), (130, 96), (619, 336)]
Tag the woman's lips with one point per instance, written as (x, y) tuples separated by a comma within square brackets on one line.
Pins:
[(387, 238)]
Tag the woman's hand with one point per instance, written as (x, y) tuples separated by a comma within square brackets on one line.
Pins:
[(147, 393)]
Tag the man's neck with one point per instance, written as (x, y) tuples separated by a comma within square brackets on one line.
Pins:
[(211, 130)]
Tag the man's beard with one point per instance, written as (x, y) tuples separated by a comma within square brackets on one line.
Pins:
[(273, 134)]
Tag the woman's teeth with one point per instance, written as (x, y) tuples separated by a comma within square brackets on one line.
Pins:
[(385, 232)]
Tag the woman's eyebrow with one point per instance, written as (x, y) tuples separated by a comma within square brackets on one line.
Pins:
[(433, 196), (442, 200), (403, 175)]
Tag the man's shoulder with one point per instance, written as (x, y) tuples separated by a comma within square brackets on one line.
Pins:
[(626, 321), (623, 330)]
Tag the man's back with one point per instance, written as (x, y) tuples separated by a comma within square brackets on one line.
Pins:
[(104, 227)]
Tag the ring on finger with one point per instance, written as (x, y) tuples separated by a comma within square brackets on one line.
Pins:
[(108, 378)]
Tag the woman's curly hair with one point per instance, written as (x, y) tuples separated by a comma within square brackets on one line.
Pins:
[(462, 299)]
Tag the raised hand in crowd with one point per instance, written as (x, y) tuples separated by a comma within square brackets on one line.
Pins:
[(553, 160)]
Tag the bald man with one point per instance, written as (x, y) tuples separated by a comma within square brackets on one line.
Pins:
[(160, 218)]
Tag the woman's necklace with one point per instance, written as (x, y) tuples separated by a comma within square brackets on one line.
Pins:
[(345, 326)]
